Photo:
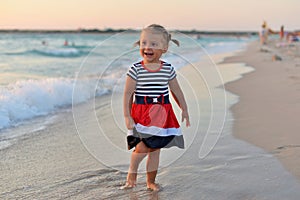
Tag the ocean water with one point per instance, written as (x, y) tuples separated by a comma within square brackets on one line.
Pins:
[(38, 73)]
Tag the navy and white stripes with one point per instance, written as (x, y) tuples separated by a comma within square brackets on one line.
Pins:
[(151, 83)]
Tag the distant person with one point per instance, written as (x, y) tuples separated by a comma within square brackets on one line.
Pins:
[(66, 43), (282, 33), (293, 37), (263, 34), (44, 43)]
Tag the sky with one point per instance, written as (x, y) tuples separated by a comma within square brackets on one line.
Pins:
[(223, 15)]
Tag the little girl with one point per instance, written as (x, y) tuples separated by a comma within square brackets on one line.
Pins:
[(149, 116)]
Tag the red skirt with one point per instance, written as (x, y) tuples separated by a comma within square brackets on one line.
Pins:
[(156, 125)]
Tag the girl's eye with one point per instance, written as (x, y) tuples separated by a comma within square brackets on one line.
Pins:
[(150, 44)]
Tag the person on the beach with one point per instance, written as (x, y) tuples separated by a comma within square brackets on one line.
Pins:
[(293, 37), (282, 33), (148, 114), (264, 33)]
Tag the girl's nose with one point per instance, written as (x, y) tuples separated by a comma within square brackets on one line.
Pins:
[(147, 46)]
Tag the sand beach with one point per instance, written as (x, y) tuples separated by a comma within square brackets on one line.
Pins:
[(268, 110)]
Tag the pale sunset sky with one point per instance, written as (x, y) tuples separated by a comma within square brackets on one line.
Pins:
[(240, 15)]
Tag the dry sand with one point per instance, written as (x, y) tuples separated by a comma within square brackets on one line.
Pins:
[(267, 114)]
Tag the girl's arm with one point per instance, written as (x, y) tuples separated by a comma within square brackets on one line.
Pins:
[(179, 98), (127, 102)]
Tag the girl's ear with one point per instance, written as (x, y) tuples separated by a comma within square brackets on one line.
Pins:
[(137, 43), (165, 48)]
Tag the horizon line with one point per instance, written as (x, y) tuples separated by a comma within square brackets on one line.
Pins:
[(117, 30)]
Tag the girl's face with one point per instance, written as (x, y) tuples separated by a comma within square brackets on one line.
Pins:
[(152, 46)]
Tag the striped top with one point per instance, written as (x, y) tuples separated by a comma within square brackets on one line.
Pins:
[(152, 83)]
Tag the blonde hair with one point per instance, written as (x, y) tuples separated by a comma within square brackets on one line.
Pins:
[(159, 29)]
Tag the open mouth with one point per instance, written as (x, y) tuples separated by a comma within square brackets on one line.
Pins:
[(148, 53)]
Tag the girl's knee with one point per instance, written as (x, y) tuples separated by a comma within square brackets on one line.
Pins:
[(141, 148), (154, 150), (154, 153)]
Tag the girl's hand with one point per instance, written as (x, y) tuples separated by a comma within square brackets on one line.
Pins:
[(185, 116), (129, 123)]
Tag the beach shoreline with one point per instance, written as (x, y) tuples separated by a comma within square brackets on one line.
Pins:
[(268, 108), (70, 159)]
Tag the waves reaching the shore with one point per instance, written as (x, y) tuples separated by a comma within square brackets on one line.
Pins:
[(27, 99), (55, 52)]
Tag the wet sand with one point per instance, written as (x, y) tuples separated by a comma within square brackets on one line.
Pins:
[(267, 114)]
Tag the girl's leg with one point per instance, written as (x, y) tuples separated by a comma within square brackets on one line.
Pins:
[(152, 167), (137, 156)]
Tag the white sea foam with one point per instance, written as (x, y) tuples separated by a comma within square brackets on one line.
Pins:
[(31, 98), (59, 52)]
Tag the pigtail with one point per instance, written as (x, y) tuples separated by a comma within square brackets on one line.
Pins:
[(176, 42), (137, 43), (173, 40)]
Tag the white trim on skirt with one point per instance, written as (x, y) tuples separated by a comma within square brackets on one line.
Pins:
[(156, 131)]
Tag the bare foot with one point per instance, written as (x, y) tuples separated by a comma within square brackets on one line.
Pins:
[(154, 187), (131, 181), (127, 186)]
